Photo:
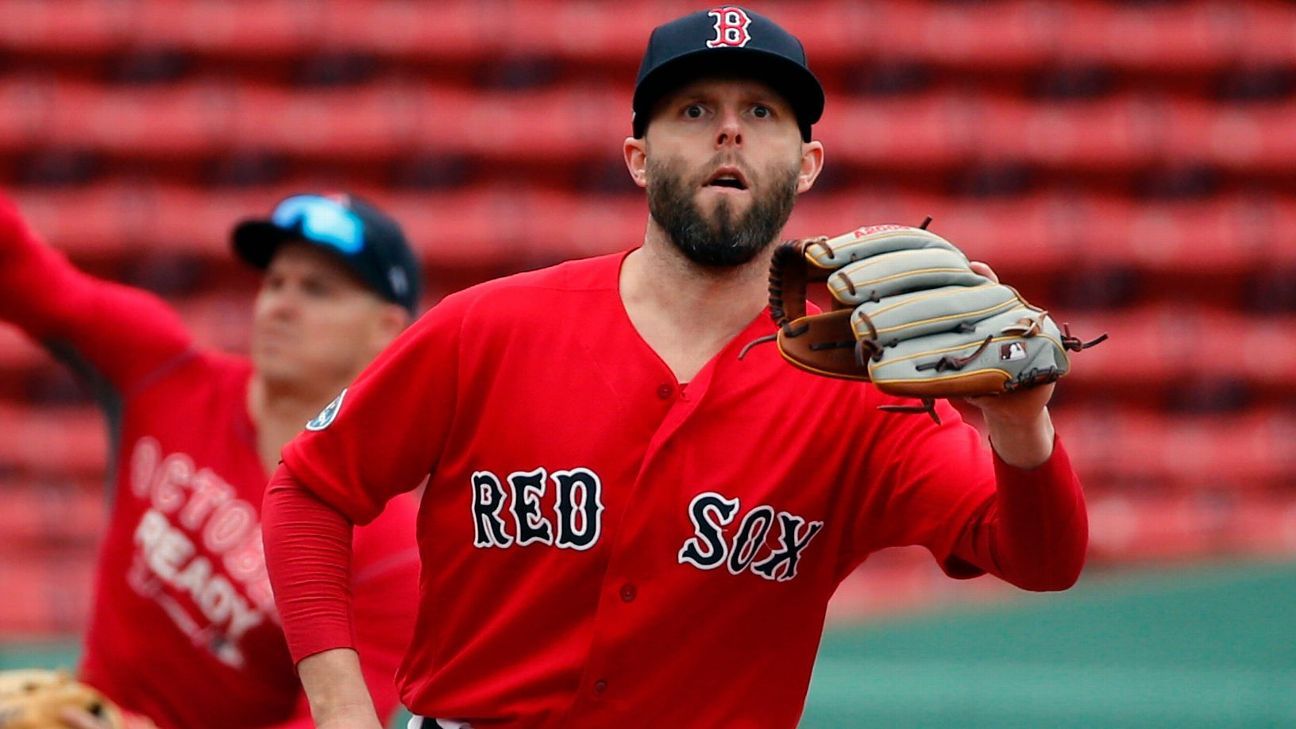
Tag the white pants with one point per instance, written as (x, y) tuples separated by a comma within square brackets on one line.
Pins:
[(422, 722)]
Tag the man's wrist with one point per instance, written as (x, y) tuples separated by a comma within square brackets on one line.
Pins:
[(1021, 442), (336, 690)]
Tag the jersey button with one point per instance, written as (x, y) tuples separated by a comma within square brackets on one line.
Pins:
[(600, 686), (628, 592), (665, 391)]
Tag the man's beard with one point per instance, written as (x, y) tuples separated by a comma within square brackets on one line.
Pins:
[(726, 239)]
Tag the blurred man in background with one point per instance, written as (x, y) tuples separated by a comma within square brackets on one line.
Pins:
[(184, 631)]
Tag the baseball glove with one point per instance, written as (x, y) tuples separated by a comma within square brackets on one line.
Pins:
[(910, 315), (33, 699)]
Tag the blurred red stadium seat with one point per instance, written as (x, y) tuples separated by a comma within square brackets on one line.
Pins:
[(380, 121), (47, 592), (1149, 452), (1149, 348), (49, 511), (1131, 527), (1123, 132), (391, 119), (68, 442), (1161, 37)]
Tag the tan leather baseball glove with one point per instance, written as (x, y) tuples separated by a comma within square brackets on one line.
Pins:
[(35, 699), (910, 315)]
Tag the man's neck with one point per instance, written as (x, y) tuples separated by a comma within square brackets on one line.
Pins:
[(685, 311), (280, 410)]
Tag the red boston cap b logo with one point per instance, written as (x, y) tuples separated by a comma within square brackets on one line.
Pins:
[(730, 26)]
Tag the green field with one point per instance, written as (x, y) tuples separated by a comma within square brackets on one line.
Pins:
[(1207, 647), (1193, 648)]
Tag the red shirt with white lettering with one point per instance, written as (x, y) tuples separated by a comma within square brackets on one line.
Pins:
[(604, 546), (184, 628)]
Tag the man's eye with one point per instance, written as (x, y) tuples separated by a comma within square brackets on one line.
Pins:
[(760, 111), (315, 288), (693, 111)]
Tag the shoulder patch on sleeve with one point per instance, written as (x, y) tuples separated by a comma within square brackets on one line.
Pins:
[(326, 416)]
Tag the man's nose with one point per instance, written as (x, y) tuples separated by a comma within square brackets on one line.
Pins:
[(282, 303), (729, 133)]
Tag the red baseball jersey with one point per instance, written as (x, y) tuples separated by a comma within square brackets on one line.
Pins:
[(184, 628), (605, 546)]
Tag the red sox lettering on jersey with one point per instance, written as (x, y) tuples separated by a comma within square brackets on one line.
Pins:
[(578, 507), (711, 512), (730, 26), (514, 516)]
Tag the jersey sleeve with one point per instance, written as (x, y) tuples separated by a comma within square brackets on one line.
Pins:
[(384, 604), (374, 612), (308, 549), (1035, 532), (122, 334), (924, 482), (941, 487), (384, 433)]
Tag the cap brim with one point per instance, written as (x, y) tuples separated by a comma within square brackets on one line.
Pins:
[(791, 80), (256, 241)]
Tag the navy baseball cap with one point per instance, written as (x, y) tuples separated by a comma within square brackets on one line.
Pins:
[(369, 242), (727, 39)]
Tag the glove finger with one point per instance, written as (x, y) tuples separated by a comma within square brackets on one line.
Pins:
[(953, 364), (833, 253), (897, 272), (923, 313)]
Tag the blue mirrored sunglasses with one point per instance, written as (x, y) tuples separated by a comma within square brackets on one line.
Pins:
[(321, 220)]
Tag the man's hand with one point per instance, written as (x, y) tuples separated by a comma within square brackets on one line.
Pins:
[(1021, 431)]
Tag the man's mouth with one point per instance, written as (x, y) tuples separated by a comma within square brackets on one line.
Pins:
[(273, 336), (730, 177)]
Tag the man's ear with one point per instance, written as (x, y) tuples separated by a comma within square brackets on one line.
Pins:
[(636, 159), (392, 320), (812, 157)]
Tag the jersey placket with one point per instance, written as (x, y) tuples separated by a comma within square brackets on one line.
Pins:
[(620, 587)]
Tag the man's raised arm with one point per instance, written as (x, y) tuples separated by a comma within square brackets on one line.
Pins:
[(123, 334)]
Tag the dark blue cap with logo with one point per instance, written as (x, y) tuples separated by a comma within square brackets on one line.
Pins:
[(726, 40), (364, 238)]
